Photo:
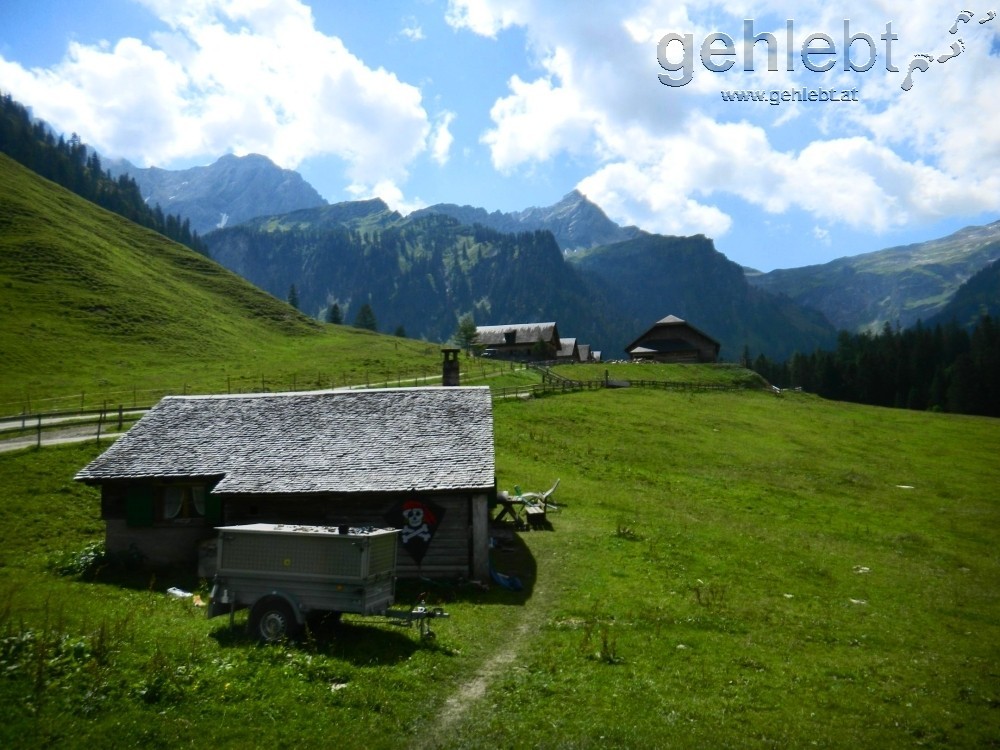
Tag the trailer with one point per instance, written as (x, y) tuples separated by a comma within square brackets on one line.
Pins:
[(283, 573)]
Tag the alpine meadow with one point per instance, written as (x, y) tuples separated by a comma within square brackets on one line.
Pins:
[(726, 564)]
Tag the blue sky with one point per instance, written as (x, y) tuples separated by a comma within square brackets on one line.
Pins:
[(510, 104)]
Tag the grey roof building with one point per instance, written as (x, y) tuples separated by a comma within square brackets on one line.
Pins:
[(527, 340), (327, 457)]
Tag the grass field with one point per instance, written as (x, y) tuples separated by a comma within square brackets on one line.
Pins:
[(728, 569), (95, 310)]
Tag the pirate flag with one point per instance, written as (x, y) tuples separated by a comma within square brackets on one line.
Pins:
[(418, 521)]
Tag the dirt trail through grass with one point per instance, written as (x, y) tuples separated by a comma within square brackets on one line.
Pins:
[(470, 692)]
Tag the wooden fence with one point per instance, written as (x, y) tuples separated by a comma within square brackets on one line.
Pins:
[(553, 383), (112, 417)]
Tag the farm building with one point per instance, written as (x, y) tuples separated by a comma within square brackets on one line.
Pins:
[(568, 351), (419, 459), (539, 341), (674, 340)]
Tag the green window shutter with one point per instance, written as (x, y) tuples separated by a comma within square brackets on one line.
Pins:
[(213, 509), (139, 505)]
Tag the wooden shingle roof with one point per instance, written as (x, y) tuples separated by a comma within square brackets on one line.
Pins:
[(384, 440), (523, 333), (567, 347)]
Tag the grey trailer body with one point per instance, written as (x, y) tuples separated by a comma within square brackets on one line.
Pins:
[(284, 572)]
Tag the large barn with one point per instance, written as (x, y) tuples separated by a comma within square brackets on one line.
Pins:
[(674, 340), (419, 459), (520, 340)]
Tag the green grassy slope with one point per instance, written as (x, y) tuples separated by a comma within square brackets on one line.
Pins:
[(90, 303), (726, 569)]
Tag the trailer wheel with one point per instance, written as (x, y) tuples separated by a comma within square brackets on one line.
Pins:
[(272, 620)]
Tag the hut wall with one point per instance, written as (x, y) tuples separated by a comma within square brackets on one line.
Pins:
[(459, 547)]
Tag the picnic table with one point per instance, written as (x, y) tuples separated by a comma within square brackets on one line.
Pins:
[(525, 508)]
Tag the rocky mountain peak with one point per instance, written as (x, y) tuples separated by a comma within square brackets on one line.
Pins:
[(229, 191)]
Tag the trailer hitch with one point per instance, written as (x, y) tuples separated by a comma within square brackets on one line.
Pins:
[(419, 613)]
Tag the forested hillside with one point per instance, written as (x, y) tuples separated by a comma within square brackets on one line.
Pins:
[(77, 168), (978, 296), (425, 271), (653, 276), (420, 274), (943, 368)]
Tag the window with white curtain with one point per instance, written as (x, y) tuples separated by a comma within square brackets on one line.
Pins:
[(181, 503)]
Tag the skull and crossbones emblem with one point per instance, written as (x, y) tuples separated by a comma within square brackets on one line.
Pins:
[(418, 519)]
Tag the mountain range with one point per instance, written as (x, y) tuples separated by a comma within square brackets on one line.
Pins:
[(898, 285), (425, 270), (228, 191), (609, 285), (575, 222)]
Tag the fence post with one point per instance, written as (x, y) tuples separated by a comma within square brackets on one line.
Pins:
[(38, 443), (120, 417)]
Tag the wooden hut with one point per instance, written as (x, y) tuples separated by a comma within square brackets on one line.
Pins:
[(674, 340), (420, 459)]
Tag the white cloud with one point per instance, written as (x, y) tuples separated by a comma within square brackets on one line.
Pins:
[(668, 155), (233, 75), (483, 16), (640, 197), (93, 92), (536, 121), (412, 31), (258, 76), (441, 138)]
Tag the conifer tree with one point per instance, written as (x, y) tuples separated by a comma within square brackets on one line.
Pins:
[(466, 334), (366, 318)]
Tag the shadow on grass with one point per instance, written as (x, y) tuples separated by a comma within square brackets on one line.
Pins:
[(361, 641)]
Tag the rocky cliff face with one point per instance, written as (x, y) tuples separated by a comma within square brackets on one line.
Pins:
[(575, 222), (227, 192)]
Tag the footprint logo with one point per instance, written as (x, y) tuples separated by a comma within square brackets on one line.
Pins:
[(922, 61)]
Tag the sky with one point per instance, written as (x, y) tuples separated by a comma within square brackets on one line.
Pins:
[(877, 125)]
